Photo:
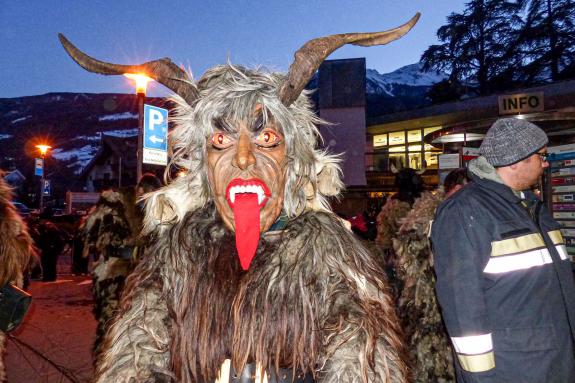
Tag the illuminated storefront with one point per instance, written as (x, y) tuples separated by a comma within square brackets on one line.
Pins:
[(415, 138)]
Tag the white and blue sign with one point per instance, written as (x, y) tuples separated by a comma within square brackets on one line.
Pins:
[(155, 135), (47, 188), (38, 167)]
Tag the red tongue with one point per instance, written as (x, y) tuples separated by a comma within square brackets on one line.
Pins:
[(247, 221)]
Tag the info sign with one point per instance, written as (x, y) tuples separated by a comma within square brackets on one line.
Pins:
[(521, 103)]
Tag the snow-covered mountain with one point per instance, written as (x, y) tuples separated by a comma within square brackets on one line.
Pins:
[(409, 75)]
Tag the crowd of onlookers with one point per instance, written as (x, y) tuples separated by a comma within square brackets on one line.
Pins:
[(53, 236)]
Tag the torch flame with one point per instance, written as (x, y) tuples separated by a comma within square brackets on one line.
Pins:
[(43, 148), (141, 81)]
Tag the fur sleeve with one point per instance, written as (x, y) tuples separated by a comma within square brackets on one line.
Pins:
[(16, 247), (137, 347), (362, 338)]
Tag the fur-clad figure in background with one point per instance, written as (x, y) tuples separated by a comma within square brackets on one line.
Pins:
[(17, 252), (409, 184), (112, 232), (298, 296), (429, 347)]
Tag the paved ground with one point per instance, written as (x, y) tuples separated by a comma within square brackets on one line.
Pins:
[(60, 325)]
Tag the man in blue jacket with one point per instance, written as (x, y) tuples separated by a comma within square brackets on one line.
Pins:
[(504, 279)]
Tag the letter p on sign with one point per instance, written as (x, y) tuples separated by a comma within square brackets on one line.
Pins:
[(156, 118)]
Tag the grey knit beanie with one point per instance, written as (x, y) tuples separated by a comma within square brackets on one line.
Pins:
[(510, 140)]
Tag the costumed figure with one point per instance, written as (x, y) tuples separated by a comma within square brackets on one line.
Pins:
[(427, 341), (17, 253), (51, 240), (248, 275), (112, 231), (409, 184)]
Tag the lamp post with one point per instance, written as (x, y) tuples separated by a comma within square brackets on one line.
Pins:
[(141, 84), (43, 150)]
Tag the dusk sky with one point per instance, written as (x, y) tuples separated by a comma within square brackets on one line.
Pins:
[(197, 34)]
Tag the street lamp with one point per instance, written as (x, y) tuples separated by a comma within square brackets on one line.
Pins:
[(43, 150), (141, 81)]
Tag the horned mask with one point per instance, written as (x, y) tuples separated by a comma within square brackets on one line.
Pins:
[(247, 137)]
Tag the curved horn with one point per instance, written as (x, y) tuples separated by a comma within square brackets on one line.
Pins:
[(163, 70), (310, 56)]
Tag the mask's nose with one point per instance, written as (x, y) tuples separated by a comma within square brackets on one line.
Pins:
[(244, 155)]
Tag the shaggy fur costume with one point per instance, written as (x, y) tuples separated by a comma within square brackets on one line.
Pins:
[(111, 231), (429, 347), (388, 223), (313, 300), (16, 252)]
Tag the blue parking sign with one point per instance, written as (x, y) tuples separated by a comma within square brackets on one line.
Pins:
[(155, 128), (47, 188), (155, 135)]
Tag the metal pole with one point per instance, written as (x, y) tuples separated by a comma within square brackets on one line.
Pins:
[(42, 183), (141, 99)]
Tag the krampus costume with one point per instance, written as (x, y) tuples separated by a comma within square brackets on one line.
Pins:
[(110, 232), (16, 252), (409, 185), (429, 347), (248, 274)]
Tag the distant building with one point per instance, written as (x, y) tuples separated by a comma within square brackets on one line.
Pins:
[(113, 166), (342, 104)]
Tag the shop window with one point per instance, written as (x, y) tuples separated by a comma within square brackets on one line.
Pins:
[(397, 138), (397, 160), (415, 160), (431, 159), (396, 149), (414, 135), (390, 148), (379, 140)]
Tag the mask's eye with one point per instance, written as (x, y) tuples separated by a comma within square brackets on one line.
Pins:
[(221, 140), (268, 138)]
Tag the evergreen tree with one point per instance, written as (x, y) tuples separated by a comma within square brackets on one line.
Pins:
[(478, 45), (547, 40)]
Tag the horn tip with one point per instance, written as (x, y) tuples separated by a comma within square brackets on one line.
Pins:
[(416, 17), (62, 38)]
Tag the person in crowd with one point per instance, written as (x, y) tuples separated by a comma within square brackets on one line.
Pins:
[(409, 185), (429, 348), (111, 232), (51, 241), (17, 253), (504, 279), (249, 275)]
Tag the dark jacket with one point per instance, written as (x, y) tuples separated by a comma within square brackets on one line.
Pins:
[(505, 285)]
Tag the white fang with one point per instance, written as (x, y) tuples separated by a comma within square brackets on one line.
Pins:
[(255, 189)]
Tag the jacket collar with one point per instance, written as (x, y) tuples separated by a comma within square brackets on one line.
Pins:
[(485, 175)]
